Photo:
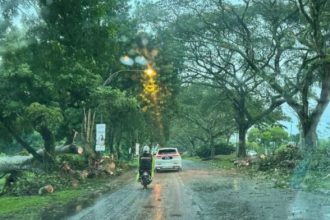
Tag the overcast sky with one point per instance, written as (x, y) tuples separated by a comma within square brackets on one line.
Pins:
[(293, 127)]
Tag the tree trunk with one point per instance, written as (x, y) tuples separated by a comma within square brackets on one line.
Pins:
[(118, 151), (212, 147), (71, 137), (87, 133), (49, 145), (242, 144), (111, 140), (309, 136), (19, 140), (240, 118)]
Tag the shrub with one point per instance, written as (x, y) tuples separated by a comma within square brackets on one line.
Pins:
[(320, 160), (221, 148), (284, 157)]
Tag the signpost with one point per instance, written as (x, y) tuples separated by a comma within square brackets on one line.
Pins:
[(137, 149), (100, 137)]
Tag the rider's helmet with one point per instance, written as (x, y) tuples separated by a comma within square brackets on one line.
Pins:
[(146, 149)]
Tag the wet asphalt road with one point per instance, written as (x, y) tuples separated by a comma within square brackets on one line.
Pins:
[(166, 198), (199, 192)]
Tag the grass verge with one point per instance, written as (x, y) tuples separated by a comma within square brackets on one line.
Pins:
[(31, 207), (219, 161), (59, 204)]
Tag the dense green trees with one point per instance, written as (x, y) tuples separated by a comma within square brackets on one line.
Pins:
[(262, 53), (203, 120), (60, 60), (55, 58), (269, 138)]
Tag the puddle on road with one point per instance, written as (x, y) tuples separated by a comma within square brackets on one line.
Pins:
[(149, 206), (176, 215), (211, 187)]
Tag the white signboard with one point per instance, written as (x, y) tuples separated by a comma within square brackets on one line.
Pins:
[(100, 137), (137, 149)]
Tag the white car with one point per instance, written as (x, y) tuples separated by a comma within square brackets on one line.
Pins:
[(251, 153), (168, 159)]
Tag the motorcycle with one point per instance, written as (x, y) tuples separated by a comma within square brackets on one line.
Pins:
[(145, 179)]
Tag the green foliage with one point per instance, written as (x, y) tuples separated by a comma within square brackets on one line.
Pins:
[(320, 161), (255, 146), (223, 161), (63, 55), (324, 144), (43, 116), (220, 149), (197, 125), (28, 183), (264, 137), (286, 157), (76, 162)]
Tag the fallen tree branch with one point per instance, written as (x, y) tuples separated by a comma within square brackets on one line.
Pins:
[(11, 163)]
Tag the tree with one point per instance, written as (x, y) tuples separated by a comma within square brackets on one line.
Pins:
[(271, 136), (122, 115), (199, 125), (201, 30), (59, 67), (297, 40)]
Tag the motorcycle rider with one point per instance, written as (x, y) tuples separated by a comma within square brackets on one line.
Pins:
[(145, 163)]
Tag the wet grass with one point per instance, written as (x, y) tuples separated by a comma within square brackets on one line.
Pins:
[(31, 207), (317, 181), (219, 161), (55, 205), (133, 163), (192, 158), (2, 183), (223, 161)]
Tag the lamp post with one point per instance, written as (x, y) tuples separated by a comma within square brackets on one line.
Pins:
[(115, 74), (129, 62), (148, 71)]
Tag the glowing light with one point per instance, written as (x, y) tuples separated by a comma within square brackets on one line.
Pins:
[(150, 72)]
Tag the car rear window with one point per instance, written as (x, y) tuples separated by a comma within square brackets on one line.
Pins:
[(167, 151)]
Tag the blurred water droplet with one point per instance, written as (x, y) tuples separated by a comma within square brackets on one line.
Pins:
[(141, 60), (126, 60)]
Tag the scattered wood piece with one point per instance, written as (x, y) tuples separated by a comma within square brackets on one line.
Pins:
[(242, 163), (75, 183), (46, 189), (83, 174)]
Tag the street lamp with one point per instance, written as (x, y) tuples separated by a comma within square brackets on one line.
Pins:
[(149, 71), (126, 60), (115, 74)]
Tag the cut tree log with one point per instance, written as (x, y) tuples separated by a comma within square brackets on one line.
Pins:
[(46, 189), (71, 148)]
